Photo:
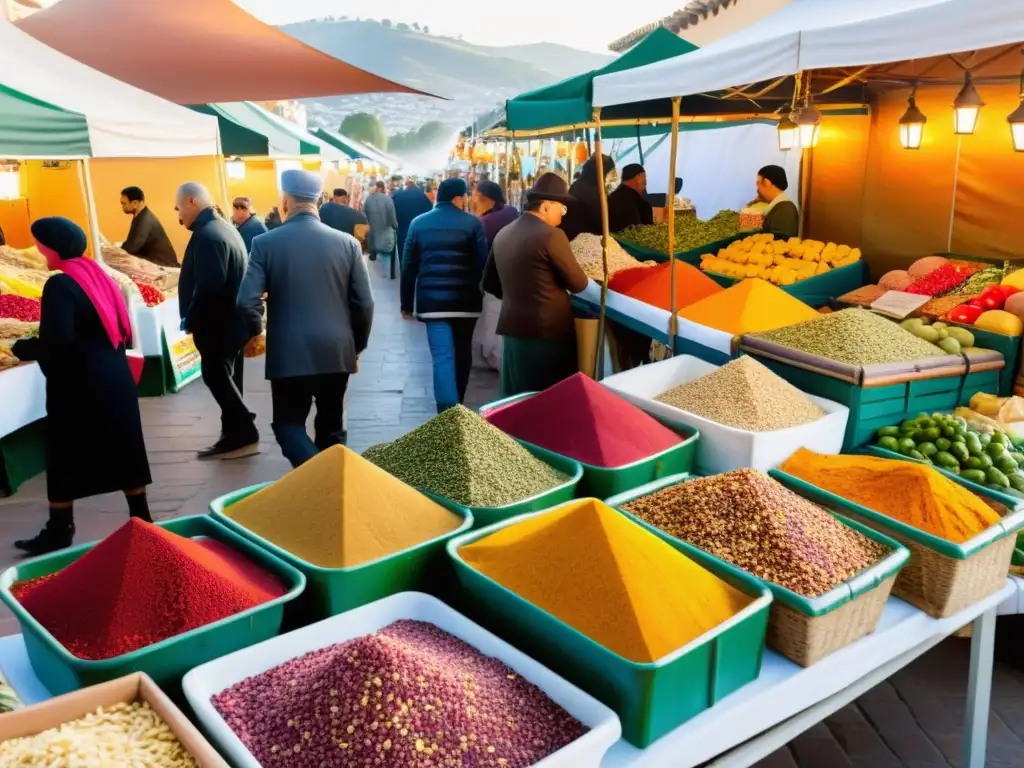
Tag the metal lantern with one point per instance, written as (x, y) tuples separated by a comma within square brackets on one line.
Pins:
[(1016, 121), (912, 125), (966, 106), (808, 121), (787, 133), (235, 168)]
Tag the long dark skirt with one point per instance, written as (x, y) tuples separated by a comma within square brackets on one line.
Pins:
[(530, 365)]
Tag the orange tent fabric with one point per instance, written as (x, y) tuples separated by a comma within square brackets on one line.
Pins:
[(197, 51)]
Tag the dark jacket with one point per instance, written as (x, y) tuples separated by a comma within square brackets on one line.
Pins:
[(585, 210), (249, 229), (445, 253), (341, 217), (319, 303), (273, 220), (532, 270), (783, 220), (211, 272), (148, 240), (496, 219), (409, 203), (628, 208)]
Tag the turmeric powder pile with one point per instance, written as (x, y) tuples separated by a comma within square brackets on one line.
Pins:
[(748, 307), (912, 493), (338, 510), (607, 577)]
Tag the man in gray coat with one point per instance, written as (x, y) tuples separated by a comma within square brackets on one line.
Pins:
[(380, 211), (319, 313)]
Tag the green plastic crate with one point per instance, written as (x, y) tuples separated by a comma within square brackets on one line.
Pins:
[(602, 482), (1009, 348), (872, 407), (839, 596), (330, 591), (818, 290), (650, 699), (167, 661)]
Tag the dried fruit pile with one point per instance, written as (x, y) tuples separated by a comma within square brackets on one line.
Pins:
[(19, 308), (755, 523), (782, 262), (461, 457), (589, 255), (746, 395), (410, 695)]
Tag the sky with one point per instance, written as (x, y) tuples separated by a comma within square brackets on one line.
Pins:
[(573, 24)]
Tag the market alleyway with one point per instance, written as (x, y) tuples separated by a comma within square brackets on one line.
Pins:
[(912, 720)]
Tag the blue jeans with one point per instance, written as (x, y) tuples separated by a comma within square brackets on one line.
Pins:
[(451, 350)]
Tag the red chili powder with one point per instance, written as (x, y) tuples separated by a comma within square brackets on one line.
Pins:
[(140, 585), (653, 285), (579, 418)]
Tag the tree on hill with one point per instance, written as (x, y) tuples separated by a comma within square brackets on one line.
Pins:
[(426, 30), (403, 27), (365, 127), (427, 136), (386, 23)]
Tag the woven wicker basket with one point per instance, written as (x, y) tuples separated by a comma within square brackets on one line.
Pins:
[(806, 640)]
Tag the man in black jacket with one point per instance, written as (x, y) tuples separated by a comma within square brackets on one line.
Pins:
[(627, 205), (146, 236), (211, 272), (585, 209)]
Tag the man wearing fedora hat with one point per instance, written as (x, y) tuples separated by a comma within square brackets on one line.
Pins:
[(532, 269)]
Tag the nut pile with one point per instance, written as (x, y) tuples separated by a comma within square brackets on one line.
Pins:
[(745, 395), (690, 232), (461, 457), (410, 695), (853, 336), (589, 254), (121, 736), (753, 522)]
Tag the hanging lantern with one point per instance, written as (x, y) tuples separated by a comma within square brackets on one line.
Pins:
[(582, 153), (562, 149), (912, 124), (787, 133), (235, 168), (808, 122), (966, 107), (1016, 121), (10, 181)]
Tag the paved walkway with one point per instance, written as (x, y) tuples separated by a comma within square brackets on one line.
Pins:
[(913, 720)]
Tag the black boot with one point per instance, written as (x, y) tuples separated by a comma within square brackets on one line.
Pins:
[(58, 533), (138, 506)]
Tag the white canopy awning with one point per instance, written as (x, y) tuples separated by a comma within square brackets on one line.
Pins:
[(122, 120), (815, 34)]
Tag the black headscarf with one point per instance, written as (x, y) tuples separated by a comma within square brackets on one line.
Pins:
[(60, 235)]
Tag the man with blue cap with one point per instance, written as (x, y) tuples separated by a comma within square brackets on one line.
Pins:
[(319, 312), (442, 265)]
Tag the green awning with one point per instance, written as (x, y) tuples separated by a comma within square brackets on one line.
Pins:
[(283, 139), (570, 101), (235, 138), (356, 150), (32, 128), (337, 142)]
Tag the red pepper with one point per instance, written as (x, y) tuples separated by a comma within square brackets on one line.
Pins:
[(965, 314), (993, 297), (1006, 290), (151, 295), (19, 308), (942, 280)]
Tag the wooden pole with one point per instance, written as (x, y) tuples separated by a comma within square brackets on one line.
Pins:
[(640, 146), (671, 200), (603, 196), (85, 180)]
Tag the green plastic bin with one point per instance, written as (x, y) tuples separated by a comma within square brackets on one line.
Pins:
[(650, 699), (810, 607), (167, 661), (330, 591), (1009, 348), (602, 482), (818, 290), (933, 581)]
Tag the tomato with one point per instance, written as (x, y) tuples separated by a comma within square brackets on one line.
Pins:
[(992, 301), (965, 314), (1006, 290), (976, 302)]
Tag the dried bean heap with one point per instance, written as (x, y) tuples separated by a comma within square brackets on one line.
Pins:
[(753, 522), (690, 232), (121, 735), (853, 336), (461, 457), (746, 395), (410, 695), (589, 254)]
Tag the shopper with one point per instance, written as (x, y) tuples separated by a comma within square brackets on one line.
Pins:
[(246, 221), (409, 203), (532, 269), (320, 310), (489, 205), (585, 209), (147, 238), (380, 212), (94, 441), (338, 214), (211, 273), (443, 262)]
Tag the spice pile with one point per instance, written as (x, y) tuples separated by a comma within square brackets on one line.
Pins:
[(608, 578), (653, 285), (853, 336), (338, 511), (19, 308), (152, 296), (755, 523), (579, 418), (913, 493), (121, 735), (140, 585), (745, 395), (589, 254), (748, 307), (410, 695), (690, 232), (461, 457)]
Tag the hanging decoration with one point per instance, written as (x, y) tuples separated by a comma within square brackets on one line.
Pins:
[(912, 123), (966, 107)]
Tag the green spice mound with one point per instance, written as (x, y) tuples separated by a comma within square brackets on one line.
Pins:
[(691, 232), (853, 336), (460, 456)]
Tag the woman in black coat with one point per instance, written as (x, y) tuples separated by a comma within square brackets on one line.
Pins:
[(93, 429)]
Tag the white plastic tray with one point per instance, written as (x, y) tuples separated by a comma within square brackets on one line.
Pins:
[(209, 679), (722, 448)]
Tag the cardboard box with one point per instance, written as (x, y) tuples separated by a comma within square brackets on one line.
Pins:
[(137, 687)]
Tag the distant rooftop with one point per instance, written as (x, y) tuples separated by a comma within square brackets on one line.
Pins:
[(692, 14)]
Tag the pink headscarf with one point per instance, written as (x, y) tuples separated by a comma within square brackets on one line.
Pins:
[(63, 242)]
